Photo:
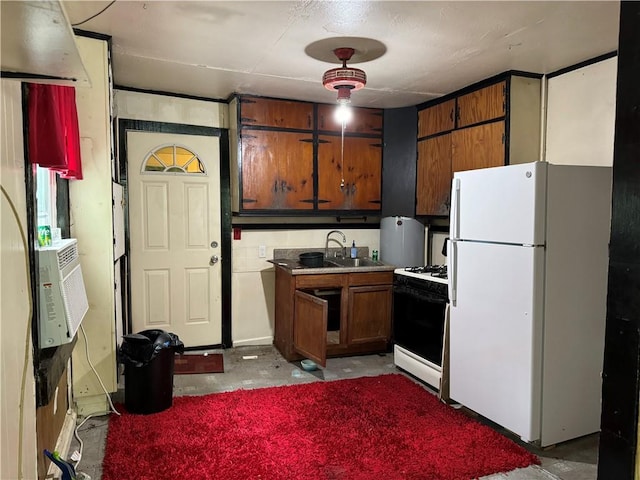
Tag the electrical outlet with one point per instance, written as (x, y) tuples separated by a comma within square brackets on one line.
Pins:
[(262, 251)]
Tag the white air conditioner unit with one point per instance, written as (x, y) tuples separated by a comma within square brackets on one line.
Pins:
[(63, 299)]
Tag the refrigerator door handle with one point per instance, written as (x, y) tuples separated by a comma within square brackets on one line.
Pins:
[(452, 269), (454, 232)]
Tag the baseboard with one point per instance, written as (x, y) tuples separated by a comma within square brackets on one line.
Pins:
[(253, 342), (63, 443)]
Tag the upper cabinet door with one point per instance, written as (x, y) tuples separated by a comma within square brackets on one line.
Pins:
[(433, 183), (360, 167), (364, 120), (277, 170), (482, 105), (481, 146), (266, 112), (436, 119)]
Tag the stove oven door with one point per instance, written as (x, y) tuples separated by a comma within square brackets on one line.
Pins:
[(419, 322)]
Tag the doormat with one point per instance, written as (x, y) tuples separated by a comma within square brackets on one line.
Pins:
[(371, 428), (191, 363)]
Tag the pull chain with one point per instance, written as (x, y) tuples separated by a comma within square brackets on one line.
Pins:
[(342, 154)]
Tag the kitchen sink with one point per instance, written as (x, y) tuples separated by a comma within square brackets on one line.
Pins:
[(354, 262)]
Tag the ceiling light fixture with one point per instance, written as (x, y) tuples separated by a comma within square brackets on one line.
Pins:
[(344, 79)]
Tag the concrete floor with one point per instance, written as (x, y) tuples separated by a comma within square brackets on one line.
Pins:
[(574, 460)]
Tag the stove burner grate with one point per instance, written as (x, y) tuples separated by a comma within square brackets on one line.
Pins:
[(439, 271)]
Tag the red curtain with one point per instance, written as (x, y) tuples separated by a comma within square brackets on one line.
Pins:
[(54, 137)]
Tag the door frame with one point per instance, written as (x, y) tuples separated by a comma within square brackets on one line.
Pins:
[(127, 125)]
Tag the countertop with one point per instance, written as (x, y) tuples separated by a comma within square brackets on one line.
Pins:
[(288, 259)]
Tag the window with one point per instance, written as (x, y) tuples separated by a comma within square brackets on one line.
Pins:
[(46, 197), (173, 159)]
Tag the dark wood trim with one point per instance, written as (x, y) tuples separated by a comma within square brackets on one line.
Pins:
[(97, 36), (621, 372), (126, 125), (586, 63), (307, 226), (33, 76)]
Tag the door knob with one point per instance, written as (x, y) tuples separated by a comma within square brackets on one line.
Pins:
[(213, 260), (214, 244)]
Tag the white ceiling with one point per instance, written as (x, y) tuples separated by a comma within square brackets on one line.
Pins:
[(212, 49)]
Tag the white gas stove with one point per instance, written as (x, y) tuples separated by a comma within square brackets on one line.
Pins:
[(432, 273), (421, 308)]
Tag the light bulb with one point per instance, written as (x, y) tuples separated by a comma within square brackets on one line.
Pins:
[(343, 114)]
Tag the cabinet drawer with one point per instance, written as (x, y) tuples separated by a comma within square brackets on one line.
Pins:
[(322, 280), (371, 278)]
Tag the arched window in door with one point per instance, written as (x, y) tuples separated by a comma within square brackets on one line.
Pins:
[(173, 159)]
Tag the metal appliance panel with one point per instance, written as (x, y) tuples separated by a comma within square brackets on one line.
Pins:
[(501, 204), (402, 241), (496, 332)]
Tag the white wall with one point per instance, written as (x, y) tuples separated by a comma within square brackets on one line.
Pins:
[(15, 321), (162, 108), (91, 223), (581, 115)]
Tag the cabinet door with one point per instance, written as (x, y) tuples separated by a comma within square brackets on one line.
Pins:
[(310, 327), (364, 120), (277, 170), (478, 147), (360, 167), (267, 112), (482, 105), (436, 119), (369, 314), (433, 187)]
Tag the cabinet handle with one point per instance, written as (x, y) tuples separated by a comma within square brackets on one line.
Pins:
[(275, 186), (353, 188), (283, 185), (451, 114), (458, 113), (248, 120)]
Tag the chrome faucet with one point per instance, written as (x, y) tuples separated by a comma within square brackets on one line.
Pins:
[(343, 245)]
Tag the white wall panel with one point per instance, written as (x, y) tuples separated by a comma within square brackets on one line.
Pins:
[(581, 107), (15, 323)]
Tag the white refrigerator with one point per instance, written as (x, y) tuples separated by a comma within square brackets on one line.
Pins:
[(528, 261)]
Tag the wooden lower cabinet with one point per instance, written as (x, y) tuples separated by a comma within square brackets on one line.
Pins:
[(330, 315)]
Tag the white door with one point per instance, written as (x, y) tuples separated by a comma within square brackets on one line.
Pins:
[(495, 333), (174, 229), (500, 204)]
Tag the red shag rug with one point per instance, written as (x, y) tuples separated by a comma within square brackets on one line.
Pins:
[(369, 428)]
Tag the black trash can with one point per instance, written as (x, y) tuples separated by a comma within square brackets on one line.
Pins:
[(148, 359)]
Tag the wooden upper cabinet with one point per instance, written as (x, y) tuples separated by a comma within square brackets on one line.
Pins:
[(436, 119), (434, 174), (277, 170), (364, 120), (478, 147), (267, 112), (361, 170), (482, 105)]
